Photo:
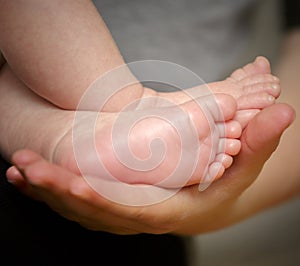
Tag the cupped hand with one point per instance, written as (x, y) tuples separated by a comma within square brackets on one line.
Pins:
[(187, 212)]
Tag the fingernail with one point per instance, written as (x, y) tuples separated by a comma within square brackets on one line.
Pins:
[(13, 175)]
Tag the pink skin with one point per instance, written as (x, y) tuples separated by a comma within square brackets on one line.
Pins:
[(75, 201), (217, 135), (208, 132), (44, 60), (252, 86), (188, 212)]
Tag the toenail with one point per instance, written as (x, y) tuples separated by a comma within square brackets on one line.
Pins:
[(271, 98), (275, 86), (275, 78)]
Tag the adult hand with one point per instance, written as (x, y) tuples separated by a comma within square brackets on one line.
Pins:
[(187, 212)]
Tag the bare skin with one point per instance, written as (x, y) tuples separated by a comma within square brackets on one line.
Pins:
[(282, 171), (48, 66), (140, 219), (245, 81), (54, 140), (188, 212), (46, 62), (218, 139), (43, 57)]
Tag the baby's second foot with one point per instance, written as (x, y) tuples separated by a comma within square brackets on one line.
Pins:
[(169, 147), (253, 86)]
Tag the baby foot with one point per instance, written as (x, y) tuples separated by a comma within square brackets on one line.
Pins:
[(252, 86), (134, 160), (169, 147)]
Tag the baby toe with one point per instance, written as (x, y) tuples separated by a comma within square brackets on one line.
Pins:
[(225, 159), (230, 129), (229, 146), (272, 88), (256, 101), (260, 78), (215, 170)]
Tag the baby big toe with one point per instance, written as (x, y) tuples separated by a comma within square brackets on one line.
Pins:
[(261, 65)]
